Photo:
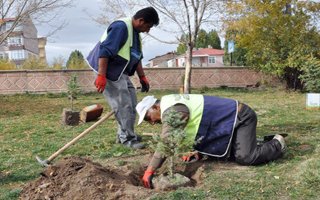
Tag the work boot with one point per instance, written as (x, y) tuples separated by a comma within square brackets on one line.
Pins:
[(139, 139), (134, 144), (280, 138)]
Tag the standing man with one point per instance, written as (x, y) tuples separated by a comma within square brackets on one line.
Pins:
[(117, 56), (220, 127)]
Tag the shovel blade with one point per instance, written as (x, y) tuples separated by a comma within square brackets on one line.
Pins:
[(43, 163)]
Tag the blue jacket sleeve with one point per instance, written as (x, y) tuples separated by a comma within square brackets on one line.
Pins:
[(117, 36)]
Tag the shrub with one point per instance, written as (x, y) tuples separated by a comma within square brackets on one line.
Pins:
[(311, 74), (5, 64), (34, 63)]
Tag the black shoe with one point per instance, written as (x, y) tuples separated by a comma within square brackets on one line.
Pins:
[(280, 139), (267, 138), (139, 139), (134, 144)]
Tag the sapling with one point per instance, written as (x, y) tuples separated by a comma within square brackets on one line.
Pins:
[(73, 89), (175, 143)]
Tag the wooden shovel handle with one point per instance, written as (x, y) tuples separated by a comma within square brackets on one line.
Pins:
[(53, 156)]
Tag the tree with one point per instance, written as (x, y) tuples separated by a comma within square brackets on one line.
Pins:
[(58, 63), (73, 89), (214, 39), (6, 64), (76, 61), (41, 11), (311, 74), (204, 40), (33, 63), (181, 18), (176, 142), (239, 54), (271, 31), (181, 49)]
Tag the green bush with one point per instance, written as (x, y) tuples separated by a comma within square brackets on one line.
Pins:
[(6, 64), (311, 74)]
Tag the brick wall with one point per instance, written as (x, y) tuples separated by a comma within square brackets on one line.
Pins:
[(54, 81)]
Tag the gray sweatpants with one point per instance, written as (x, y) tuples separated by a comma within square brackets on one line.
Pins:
[(244, 147), (121, 96)]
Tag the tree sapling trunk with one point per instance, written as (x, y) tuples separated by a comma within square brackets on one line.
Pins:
[(69, 116), (172, 146)]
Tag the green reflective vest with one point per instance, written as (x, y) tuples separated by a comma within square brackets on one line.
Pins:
[(194, 103), (124, 52)]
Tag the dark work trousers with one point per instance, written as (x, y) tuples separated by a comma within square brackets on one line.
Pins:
[(121, 96), (244, 147)]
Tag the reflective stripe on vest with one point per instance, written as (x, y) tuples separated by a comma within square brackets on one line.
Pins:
[(194, 103)]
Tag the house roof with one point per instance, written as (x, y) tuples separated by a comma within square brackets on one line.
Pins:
[(207, 52), (7, 19), (164, 55)]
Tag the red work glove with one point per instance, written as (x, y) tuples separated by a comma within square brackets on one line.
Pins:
[(147, 178), (144, 83), (192, 157), (100, 83)]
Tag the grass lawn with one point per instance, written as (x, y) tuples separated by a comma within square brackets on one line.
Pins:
[(30, 125)]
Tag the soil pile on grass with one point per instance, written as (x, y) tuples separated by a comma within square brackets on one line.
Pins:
[(80, 178)]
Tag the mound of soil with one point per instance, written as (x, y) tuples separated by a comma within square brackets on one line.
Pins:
[(80, 178)]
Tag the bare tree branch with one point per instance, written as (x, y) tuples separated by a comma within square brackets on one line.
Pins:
[(162, 41)]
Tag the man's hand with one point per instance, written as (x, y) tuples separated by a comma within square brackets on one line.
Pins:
[(144, 84), (147, 178), (192, 157), (100, 83)]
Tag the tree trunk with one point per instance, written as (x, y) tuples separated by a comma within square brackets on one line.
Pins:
[(291, 76), (187, 80)]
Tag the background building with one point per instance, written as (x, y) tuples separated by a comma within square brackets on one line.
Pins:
[(161, 61), (202, 57), (22, 43)]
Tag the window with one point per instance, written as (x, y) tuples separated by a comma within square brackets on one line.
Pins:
[(17, 55), (3, 55), (212, 59), (3, 28), (8, 25), (16, 41)]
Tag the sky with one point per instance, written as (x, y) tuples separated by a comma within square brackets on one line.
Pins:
[(82, 33)]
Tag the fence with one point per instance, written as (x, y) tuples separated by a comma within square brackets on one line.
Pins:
[(55, 81)]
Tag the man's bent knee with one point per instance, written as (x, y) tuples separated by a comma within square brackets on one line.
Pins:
[(244, 160)]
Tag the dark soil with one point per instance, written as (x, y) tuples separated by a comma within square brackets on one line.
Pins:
[(80, 178), (70, 117)]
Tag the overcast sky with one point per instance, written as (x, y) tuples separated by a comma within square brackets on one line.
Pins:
[(82, 33)]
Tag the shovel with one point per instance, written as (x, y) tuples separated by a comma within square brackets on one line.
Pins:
[(47, 162)]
